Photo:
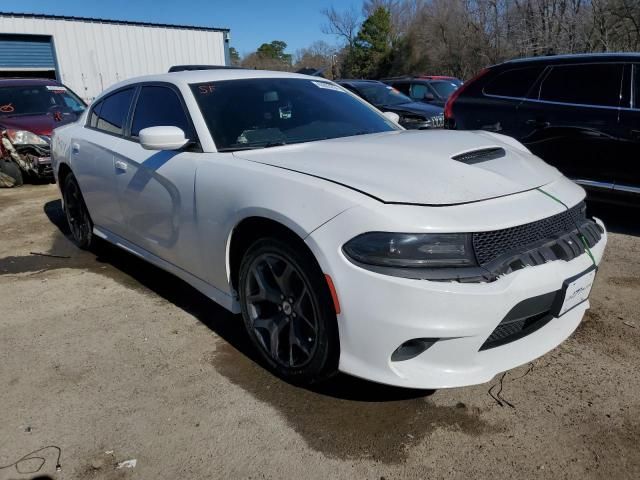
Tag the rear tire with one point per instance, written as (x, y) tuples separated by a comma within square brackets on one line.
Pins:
[(10, 174), (76, 212), (288, 311)]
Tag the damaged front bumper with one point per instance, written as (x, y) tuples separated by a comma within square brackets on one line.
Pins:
[(34, 160)]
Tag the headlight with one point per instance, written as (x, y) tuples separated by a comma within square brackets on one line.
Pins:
[(24, 137), (425, 250)]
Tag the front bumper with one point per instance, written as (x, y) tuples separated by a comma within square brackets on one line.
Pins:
[(32, 159), (381, 312)]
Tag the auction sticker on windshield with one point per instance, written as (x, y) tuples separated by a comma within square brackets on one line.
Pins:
[(577, 290), (328, 86)]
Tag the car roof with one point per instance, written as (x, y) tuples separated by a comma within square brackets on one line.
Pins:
[(419, 78), (358, 82), (19, 82), (188, 77), (576, 58)]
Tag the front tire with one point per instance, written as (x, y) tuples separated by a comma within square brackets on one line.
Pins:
[(10, 174), (288, 311), (76, 212)]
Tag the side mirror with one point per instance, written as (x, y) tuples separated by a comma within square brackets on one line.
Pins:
[(162, 138), (394, 117), (429, 97)]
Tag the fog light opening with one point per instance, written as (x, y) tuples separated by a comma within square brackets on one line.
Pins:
[(412, 348)]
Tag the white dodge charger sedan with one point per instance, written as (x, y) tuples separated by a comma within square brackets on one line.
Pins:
[(422, 259)]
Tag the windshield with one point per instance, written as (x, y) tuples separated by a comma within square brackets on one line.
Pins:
[(382, 95), (267, 112), (444, 88), (38, 100)]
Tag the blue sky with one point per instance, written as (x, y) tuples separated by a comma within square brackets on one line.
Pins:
[(252, 22)]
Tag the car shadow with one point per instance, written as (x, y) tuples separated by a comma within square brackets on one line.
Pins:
[(135, 273)]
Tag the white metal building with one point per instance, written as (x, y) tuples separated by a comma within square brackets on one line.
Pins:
[(90, 54)]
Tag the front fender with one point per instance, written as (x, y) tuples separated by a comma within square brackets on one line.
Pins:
[(229, 190)]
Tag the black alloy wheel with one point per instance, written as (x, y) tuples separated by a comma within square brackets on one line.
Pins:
[(77, 214), (288, 311)]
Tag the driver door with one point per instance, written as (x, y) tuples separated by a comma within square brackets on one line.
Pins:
[(155, 188)]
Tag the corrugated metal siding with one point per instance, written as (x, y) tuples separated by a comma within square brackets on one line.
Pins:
[(23, 51), (92, 56)]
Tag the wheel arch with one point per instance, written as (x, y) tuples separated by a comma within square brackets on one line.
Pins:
[(63, 172), (251, 228)]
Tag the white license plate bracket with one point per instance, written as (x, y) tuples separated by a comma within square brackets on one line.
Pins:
[(575, 291)]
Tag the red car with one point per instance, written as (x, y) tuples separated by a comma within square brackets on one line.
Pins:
[(29, 111)]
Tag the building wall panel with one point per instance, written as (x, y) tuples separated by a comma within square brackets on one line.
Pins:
[(93, 55)]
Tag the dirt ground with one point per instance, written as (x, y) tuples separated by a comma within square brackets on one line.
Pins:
[(109, 359)]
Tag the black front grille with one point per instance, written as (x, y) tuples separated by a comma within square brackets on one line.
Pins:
[(491, 245)]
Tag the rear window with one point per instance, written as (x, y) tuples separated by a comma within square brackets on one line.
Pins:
[(402, 87), (514, 83), (112, 112), (596, 84), (444, 88), (418, 91)]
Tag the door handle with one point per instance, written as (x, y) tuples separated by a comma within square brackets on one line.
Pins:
[(120, 165), (75, 148), (538, 123)]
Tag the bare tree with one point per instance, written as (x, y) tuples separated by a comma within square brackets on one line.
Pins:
[(343, 24), (459, 37)]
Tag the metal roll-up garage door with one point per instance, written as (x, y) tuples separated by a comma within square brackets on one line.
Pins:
[(27, 56)]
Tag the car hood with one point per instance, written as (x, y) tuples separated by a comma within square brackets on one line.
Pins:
[(416, 108), (414, 167), (38, 124)]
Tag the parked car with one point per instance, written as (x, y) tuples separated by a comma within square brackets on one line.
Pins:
[(449, 78), (29, 110), (434, 90), (420, 259), (413, 115), (580, 113)]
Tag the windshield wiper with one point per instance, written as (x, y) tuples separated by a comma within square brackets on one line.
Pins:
[(237, 149), (21, 114), (278, 143)]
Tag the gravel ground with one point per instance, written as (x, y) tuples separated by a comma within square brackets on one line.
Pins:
[(109, 359)]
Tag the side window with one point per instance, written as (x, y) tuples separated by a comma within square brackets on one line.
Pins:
[(418, 91), (401, 86), (159, 106), (597, 84), (93, 116), (513, 83), (113, 112)]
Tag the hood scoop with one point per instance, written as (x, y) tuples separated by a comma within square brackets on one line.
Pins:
[(479, 156)]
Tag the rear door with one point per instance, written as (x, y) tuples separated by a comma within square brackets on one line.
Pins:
[(497, 109), (572, 121), (155, 188), (627, 174), (92, 158)]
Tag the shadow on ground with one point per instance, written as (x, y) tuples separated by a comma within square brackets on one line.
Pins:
[(344, 417)]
